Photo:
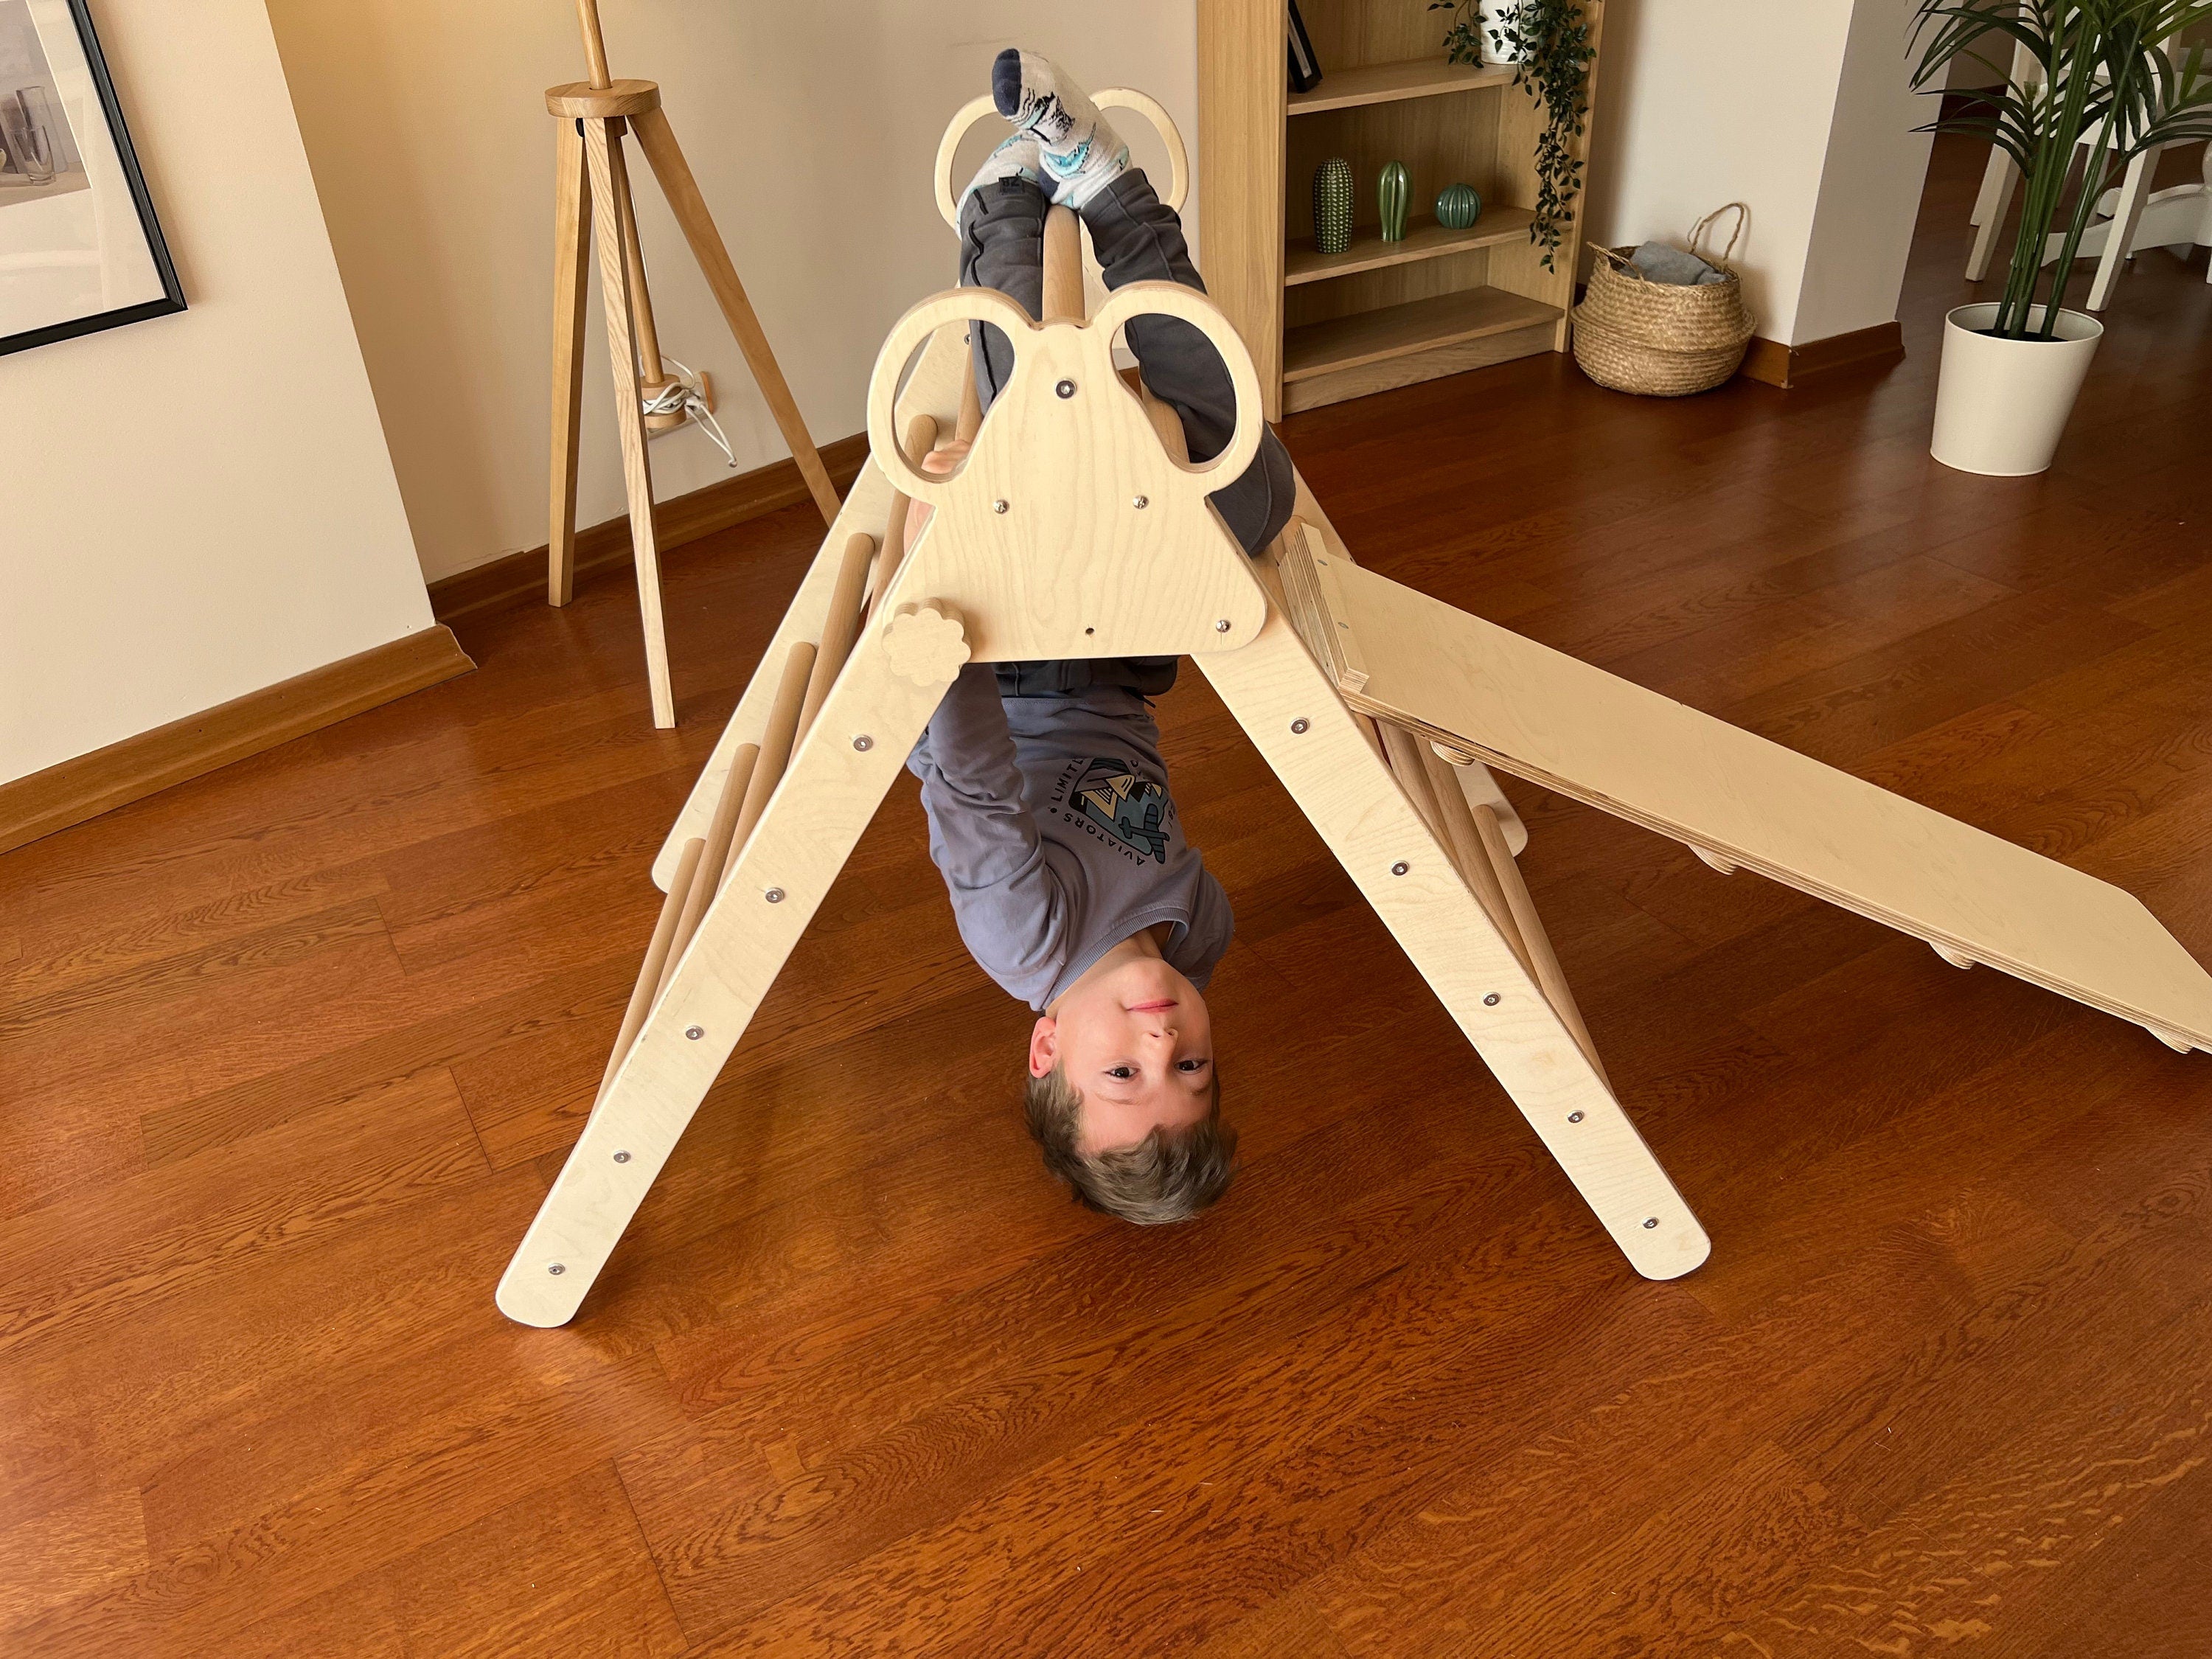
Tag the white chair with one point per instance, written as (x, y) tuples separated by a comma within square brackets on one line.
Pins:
[(2132, 216)]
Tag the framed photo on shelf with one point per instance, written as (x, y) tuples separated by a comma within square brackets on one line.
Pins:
[(80, 247), (1305, 68)]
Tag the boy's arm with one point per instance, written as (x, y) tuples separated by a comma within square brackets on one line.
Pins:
[(1006, 895)]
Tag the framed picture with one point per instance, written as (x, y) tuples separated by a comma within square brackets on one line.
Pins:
[(80, 248), (1305, 68)]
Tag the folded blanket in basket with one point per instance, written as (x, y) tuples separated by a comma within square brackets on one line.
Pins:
[(1660, 264)]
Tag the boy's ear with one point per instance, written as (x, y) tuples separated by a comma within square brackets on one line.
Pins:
[(1044, 1046)]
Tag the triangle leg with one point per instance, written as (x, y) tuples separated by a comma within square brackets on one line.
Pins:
[(830, 789), (1293, 713)]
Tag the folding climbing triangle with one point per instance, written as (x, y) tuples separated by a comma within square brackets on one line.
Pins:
[(1074, 528)]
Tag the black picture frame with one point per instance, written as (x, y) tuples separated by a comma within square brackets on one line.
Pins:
[(172, 299), (1305, 68)]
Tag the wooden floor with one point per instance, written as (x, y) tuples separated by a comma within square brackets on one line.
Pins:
[(291, 1053)]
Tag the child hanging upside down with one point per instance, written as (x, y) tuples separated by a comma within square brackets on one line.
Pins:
[(1048, 808)]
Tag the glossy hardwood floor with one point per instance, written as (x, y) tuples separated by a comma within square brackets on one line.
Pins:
[(291, 1053)]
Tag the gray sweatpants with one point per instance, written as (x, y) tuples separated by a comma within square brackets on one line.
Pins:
[(1137, 237)]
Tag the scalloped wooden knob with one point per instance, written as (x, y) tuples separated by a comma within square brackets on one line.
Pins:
[(926, 643)]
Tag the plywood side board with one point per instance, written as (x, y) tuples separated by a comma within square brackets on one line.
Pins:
[(1558, 722)]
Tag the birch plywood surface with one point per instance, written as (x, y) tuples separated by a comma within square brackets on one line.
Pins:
[(1547, 717)]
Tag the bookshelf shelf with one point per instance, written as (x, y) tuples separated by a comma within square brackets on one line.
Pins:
[(1425, 239), (1384, 83)]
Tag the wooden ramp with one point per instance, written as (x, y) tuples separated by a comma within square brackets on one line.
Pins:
[(1738, 800)]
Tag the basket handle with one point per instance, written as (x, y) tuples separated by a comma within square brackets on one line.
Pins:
[(1698, 230)]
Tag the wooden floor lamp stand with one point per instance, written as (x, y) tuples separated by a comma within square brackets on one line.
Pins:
[(1076, 526), (593, 193)]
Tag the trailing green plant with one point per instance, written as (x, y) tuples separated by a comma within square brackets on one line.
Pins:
[(2100, 64), (1548, 43), (1463, 35)]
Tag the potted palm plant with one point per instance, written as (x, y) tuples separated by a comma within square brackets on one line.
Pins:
[(2099, 69)]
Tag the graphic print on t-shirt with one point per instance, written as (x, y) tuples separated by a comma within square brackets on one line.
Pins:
[(1130, 809)]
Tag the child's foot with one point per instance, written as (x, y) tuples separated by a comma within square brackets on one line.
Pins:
[(1019, 157), (1081, 153)]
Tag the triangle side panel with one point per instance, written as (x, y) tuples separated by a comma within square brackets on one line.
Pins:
[(1308, 735), (830, 792)]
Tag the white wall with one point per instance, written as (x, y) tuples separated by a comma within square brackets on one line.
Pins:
[(811, 130), (1798, 110), (198, 506), (1870, 181)]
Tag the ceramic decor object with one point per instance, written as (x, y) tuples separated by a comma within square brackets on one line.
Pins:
[(1332, 205)]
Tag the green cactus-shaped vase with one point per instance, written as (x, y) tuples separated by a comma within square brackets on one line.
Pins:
[(1392, 196), (1458, 206), (1332, 205)]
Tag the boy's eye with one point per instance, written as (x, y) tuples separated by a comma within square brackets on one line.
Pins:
[(1190, 1064), (1124, 1072)]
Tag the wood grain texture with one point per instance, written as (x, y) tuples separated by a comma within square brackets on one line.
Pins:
[(1546, 716), (287, 1049), (571, 264), (73, 791), (1242, 89), (610, 175)]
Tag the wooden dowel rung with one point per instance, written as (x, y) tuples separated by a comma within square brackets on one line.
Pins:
[(840, 628), (656, 957), (1063, 267), (777, 737), (1549, 975), (1445, 808), (721, 832), (920, 438)]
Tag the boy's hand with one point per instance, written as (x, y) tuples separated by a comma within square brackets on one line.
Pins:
[(938, 462)]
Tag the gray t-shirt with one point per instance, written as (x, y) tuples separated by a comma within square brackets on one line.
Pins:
[(1050, 819)]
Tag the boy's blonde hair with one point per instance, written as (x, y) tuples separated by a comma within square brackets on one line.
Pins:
[(1169, 1175)]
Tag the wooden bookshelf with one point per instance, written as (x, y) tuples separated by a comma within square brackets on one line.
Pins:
[(1384, 83), (1323, 327)]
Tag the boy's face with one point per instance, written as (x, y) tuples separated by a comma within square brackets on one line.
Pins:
[(1137, 1043)]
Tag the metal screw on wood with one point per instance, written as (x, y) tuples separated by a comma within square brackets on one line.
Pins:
[(863, 743), (1574, 1117), (694, 1032), (1141, 502), (774, 895), (1492, 1001), (622, 1158), (1299, 727), (1399, 867), (1223, 626), (556, 1270), (998, 507), (1066, 388), (1650, 1221)]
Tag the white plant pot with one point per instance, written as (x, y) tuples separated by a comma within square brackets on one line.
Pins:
[(1486, 12), (2001, 404)]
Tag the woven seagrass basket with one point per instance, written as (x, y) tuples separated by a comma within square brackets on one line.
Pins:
[(1662, 339)]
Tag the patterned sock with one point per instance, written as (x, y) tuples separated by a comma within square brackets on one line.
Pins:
[(1082, 155), (1019, 157)]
